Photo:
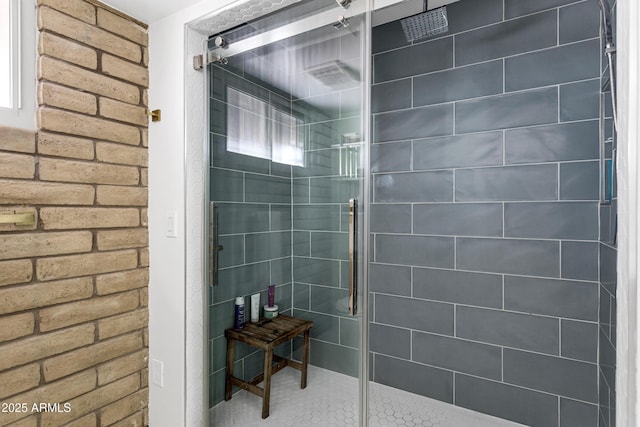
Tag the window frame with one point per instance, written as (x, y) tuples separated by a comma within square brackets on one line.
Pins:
[(23, 55), (269, 120)]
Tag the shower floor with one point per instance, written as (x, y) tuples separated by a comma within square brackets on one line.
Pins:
[(329, 401)]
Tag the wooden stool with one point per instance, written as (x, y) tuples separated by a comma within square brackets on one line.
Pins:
[(266, 335)]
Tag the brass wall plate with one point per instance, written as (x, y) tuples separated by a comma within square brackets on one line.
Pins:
[(156, 115), (18, 218)]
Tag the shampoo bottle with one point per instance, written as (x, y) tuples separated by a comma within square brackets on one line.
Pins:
[(238, 322), (255, 308), (271, 295)]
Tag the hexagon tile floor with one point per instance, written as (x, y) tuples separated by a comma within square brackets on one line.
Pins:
[(330, 400)]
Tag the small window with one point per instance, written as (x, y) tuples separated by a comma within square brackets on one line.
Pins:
[(17, 63), (247, 125), (7, 60), (257, 129)]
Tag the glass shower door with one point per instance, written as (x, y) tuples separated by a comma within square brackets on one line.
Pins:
[(287, 141)]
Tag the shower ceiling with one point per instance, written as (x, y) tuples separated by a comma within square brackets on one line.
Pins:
[(247, 37), (153, 10), (301, 15), (282, 42), (150, 10)]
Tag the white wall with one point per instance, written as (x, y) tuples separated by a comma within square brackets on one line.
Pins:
[(176, 303), (628, 57)]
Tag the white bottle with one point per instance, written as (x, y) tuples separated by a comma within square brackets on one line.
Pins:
[(255, 308)]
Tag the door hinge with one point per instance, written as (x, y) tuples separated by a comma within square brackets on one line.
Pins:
[(198, 62)]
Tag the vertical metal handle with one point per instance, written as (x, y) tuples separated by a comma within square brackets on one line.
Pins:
[(213, 244), (353, 256)]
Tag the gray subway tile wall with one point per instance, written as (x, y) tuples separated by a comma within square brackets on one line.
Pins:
[(470, 15), (254, 198), (392, 156), (413, 377), (579, 260), (580, 340), (579, 101), (414, 313), (555, 375), (508, 329), (458, 355), (324, 134), (458, 83), (510, 37), (607, 252), (287, 225), (389, 340), (559, 142), (485, 218), (394, 95), (424, 251), (391, 218), (390, 279), (458, 219), (433, 186), (579, 180), (484, 222), (579, 21), (515, 8), (509, 256), (577, 414), (321, 192), (530, 182), (479, 149), (560, 298), (401, 63), (563, 64), (549, 220), (534, 107), (453, 286), (421, 122), (506, 401)]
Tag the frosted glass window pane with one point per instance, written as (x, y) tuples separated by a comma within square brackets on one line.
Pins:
[(256, 129), (286, 143), (6, 59), (247, 125)]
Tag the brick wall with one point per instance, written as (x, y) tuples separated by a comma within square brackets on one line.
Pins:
[(73, 288)]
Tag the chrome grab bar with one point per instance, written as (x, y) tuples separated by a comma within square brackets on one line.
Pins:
[(214, 248), (353, 256)]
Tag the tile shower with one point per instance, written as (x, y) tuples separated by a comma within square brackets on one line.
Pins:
[(253, 196), (485, 215), (608, 257), (284, 224), (492, 274)]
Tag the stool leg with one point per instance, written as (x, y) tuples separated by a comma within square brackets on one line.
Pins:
[(266, 391), (231, 347), (305, 360)]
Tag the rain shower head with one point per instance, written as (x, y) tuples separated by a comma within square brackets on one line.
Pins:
[(425, 24)]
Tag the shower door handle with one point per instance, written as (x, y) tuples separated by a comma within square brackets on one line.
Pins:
[(353, 256), (214, 248)]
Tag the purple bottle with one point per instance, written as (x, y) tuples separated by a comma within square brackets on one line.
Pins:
[(238, 322), (271, 295)]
